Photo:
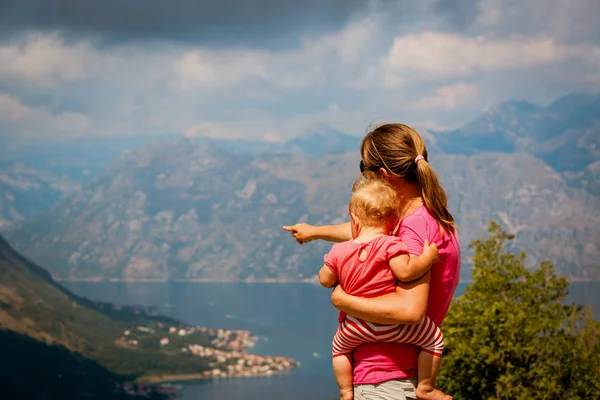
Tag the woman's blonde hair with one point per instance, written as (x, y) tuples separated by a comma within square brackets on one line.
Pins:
[(375, 202), (401, 151)]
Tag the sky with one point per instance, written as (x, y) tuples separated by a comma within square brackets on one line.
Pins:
[(271, 69)]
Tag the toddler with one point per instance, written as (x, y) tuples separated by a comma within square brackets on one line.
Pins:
[(368, 266)]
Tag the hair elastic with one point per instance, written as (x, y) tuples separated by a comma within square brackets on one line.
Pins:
[(419, 158)]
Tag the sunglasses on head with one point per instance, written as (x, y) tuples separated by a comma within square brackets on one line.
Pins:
[(364, 168)]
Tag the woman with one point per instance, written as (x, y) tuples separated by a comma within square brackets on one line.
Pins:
[(397, 153)]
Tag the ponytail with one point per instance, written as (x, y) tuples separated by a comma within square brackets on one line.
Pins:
[(401, 151), (434, 196)]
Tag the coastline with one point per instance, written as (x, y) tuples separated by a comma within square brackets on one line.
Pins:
[(198, 377), (225, 352), (313, 281)]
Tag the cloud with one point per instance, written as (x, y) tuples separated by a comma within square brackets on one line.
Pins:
[(458, 13), (490, 13), (349, 43), (214, 23), (12, 110), (205, 68), (200, 68), (564, 21), (314, 61), (44, 60), (271, 136), (453, 55), (449, 96), (30, 122), (214, 130)]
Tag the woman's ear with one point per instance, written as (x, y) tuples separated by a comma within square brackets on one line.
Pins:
[(384, 174)]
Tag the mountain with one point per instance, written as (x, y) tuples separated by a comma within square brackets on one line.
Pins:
[(34, 176), (588, 178), (171, 210), (322, 140), (25, 191), (565, 134), (189, 210), (316, 141)]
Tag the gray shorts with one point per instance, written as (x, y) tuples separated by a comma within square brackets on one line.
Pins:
[(396, 389)]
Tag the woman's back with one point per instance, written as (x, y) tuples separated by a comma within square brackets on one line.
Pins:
[(379, 362), (414, 229)]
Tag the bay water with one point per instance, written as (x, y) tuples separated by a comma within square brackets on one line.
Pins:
[(291, 320)]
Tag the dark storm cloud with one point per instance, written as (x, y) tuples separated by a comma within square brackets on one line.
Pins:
[(258, 23), (567, 22), (458, 13)]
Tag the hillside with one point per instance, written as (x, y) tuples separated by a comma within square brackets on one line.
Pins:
[(34, 176), (32, 303), (189, 210), (25, 191), (565, 134), (113, 339), (32, 369)]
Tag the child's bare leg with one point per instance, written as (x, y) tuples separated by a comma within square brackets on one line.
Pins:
[(342, 369), (429, 366)]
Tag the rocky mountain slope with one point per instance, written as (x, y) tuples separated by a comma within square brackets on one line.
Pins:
[(565, 134), (25, 191), (189, 210), (212, 209), (34, 176)]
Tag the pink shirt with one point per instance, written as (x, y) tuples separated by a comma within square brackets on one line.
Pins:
[(378, 362), (370, 277)]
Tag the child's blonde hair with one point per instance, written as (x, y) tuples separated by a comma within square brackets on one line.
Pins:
[(374, 201)]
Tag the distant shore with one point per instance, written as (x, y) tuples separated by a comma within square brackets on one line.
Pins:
[(267, 280), (198, 377), (197, 280), (174, 378)]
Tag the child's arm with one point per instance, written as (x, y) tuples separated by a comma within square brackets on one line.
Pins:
[(407, 268), (327, 277)]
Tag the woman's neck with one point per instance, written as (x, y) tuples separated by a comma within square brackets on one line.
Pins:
[(411, 197)]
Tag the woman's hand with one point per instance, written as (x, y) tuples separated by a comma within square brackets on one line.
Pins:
[(337, 296), (303, 233), (405, 306)]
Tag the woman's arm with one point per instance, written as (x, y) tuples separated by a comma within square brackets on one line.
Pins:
[(304, 233), (406, 306)]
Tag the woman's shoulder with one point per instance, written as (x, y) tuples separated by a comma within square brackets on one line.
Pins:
[(419, 219)]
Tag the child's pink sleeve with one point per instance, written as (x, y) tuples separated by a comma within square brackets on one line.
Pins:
[(331, 258), (395, 247), (413, 232)]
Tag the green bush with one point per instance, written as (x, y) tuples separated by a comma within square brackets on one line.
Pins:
[(511, 335)]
